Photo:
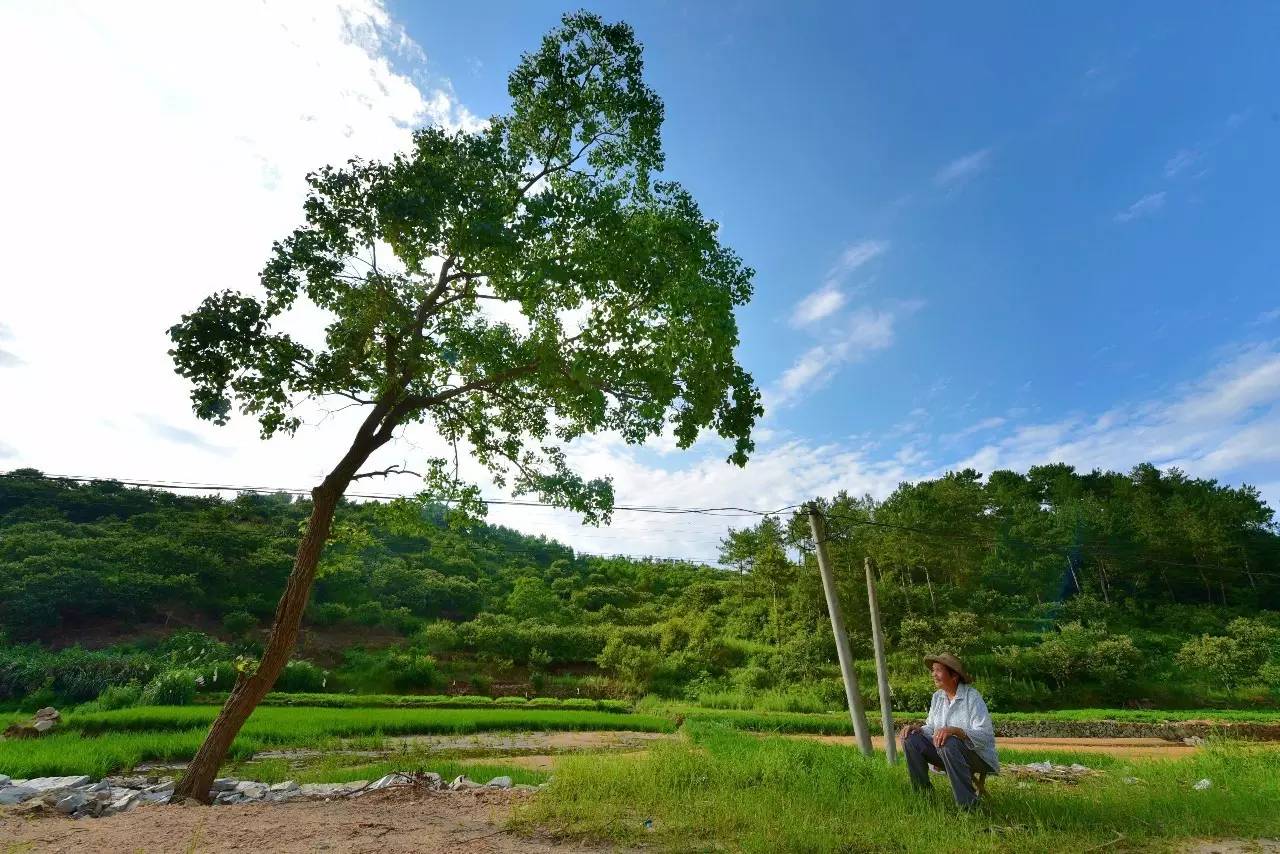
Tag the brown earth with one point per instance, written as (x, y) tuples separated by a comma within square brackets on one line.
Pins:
[(397, 821)]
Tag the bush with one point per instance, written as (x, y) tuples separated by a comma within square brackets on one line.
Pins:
[(511, 701), (171, 688), (440, 636), (481, 684), (1220, 659), (545, 703), (302, 676), (119, 697), (239, 623)]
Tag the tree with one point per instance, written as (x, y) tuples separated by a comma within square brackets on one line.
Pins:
[(552, 212)]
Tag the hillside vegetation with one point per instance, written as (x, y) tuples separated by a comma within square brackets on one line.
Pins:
[(1061, 589)]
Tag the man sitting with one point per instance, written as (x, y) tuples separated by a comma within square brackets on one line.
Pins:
[(957, 736)]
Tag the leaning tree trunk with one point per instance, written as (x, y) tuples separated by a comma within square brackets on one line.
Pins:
[(249, 691)]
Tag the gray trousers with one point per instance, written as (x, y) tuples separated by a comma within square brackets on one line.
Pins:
[(955, 756)]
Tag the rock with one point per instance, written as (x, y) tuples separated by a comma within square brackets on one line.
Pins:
[(431, 780), (48, 713), (286, 786), (463, 783), (503, 782), (524, 787), (1201, 785), (44, 725), (393, 779), (157, 794), (10, 795), (69, 803), (45, 784), (251, 789), (1194, 741), (229, 798), (5, 780), (122, 803), (323, 790), (224, 784)]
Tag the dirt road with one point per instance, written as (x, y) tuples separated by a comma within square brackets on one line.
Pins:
[(387, 822)]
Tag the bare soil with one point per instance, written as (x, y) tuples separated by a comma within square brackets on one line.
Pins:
[(396, 821)]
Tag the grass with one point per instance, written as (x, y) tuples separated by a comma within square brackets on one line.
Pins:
[(719, 789), (332, 769), (99, 743), (432, 701)]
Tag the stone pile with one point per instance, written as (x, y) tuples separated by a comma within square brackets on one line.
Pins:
[(45, 720), (1047, 772), (80, 797)]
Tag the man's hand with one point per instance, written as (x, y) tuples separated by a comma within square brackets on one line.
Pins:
[(941, 734), (907, 730)]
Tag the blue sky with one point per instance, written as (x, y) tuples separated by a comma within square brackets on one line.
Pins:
[(1071, 209), (991, 236)]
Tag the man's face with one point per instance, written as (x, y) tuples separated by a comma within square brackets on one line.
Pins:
[(942, 677)]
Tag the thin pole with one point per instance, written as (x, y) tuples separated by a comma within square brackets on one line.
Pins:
[(856, 712), (882, 667)]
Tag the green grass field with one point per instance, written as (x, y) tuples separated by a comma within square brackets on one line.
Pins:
[(718, 789), (98, 743)]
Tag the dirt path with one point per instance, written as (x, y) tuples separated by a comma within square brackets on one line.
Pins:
[(389, 822), (1134, 748)]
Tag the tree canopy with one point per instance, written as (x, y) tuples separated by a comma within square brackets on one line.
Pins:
[(517, 286)]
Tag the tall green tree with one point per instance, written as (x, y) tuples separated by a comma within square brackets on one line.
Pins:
[(554, 211)]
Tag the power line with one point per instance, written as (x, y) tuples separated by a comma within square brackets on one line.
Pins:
[(727, 512)]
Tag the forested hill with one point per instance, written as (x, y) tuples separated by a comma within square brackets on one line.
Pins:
[(1059, 588), (75, 554)]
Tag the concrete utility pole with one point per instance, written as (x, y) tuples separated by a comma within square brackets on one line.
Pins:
[(856, 712), (882, 667)]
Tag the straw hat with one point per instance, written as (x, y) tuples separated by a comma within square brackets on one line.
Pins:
[(948, 660)]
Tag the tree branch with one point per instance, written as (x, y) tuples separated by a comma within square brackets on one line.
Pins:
[(385, 472)]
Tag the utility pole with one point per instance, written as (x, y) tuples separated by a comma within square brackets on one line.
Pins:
[(882, 667), (856, 712)]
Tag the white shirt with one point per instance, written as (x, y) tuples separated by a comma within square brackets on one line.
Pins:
[(968, 712)]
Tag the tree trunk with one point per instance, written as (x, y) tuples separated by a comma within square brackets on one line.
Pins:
[(249, 691)]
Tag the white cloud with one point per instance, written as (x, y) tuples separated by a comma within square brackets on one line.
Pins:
[(855, 256), (829, 298), (817, 305), (963, 168), (1266, 317), (1145, 206), (865, 331), (1180, 162)]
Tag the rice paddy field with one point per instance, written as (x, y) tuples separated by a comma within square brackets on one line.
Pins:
[(684, 778)]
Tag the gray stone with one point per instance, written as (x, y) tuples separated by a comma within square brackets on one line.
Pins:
[(43, 725), (5, 780), (393, 779), (10, 795), (286, 786), (229, 798), (157, 794), (463, 783), (503, 782), (224, 784), (44, 784), (100, 786), (323, 790), (122, 803), (48, 713), (70, 802), (252, 790), (524, 787)]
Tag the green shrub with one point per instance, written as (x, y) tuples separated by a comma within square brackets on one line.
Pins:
[(171, 688), (578, 703), (481, 684), (439, 636), (511, 701), (545, 702), (119, 697), (239, 623), (1221, 659), (302, 676)]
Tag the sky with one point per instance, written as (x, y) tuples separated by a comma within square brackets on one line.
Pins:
[(986, 236)]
